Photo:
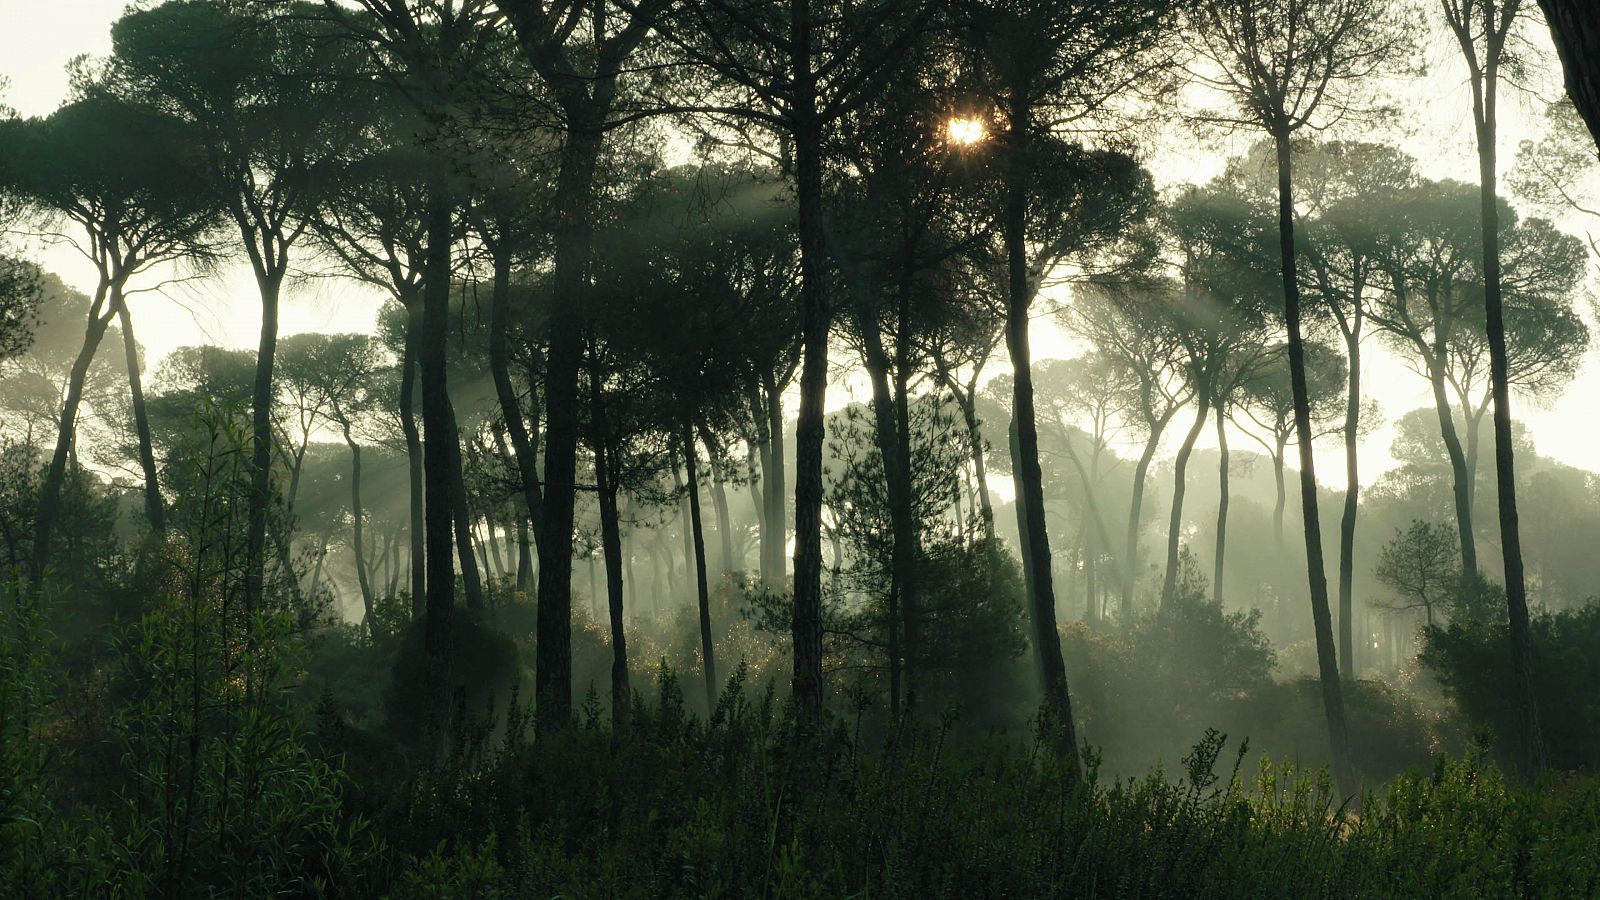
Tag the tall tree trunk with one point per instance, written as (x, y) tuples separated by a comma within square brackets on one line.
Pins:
[(270, 282), (707, 649), (357, 515), (408, 426), (897, 483), (1316, 574), (1222, 505), (1498, 18), (815, 320), (1352, 492), (1027, 476), (611, 546), (438, 424), (100, 313), (574, 231), (980, 471), (1180, 483), (154, 507)]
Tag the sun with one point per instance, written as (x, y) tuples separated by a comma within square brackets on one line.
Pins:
[(964, 131)]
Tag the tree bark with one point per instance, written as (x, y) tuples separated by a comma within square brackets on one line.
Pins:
[(1141, 475), (1180, 468), (471, 581), (719, 499), (1316, 574), (1575, 30), (902, 528), (154, 506)]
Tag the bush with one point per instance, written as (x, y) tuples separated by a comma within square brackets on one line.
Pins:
[(1470, 659)]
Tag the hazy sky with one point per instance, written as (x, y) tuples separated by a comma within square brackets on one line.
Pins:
[(39, 37)]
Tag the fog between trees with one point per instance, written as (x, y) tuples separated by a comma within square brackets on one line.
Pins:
[(700, 448)]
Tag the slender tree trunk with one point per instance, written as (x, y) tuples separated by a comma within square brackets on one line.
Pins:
[(1180, 467), (1461, 488), (902, 527), (611, 546), (775, 494), (1327, 661), (100, 313), (1281, 500), (357, 514), (438, 425), (719, 500), (414, 459), (471, 582), (1485, 89), (574, 233), (1028, 478), (1352, 492), (523, 457), (707, 649), (1222, 506), (980, 471), (154, 507)]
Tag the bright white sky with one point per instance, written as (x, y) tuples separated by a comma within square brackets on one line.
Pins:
[(39, 37)]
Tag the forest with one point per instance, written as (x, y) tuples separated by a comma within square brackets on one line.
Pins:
[(804, 448)]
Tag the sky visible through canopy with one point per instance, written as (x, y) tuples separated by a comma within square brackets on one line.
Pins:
[(39, 38)]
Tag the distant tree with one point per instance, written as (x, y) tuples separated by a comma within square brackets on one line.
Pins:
[(1286, 65), (339, 372), (21, 292), (1420, 564), (1041, 71), (794, 70), (1128, 325)]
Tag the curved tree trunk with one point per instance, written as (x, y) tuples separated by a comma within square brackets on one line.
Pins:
[(1141, 475), (1180, 468), (100, 313), (523, 457), (707, 647), (1575, 30), (775, 495), (154, 507), (1316, 574), (471, 580), (1460, 478), (270, 282), (358, 544)]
